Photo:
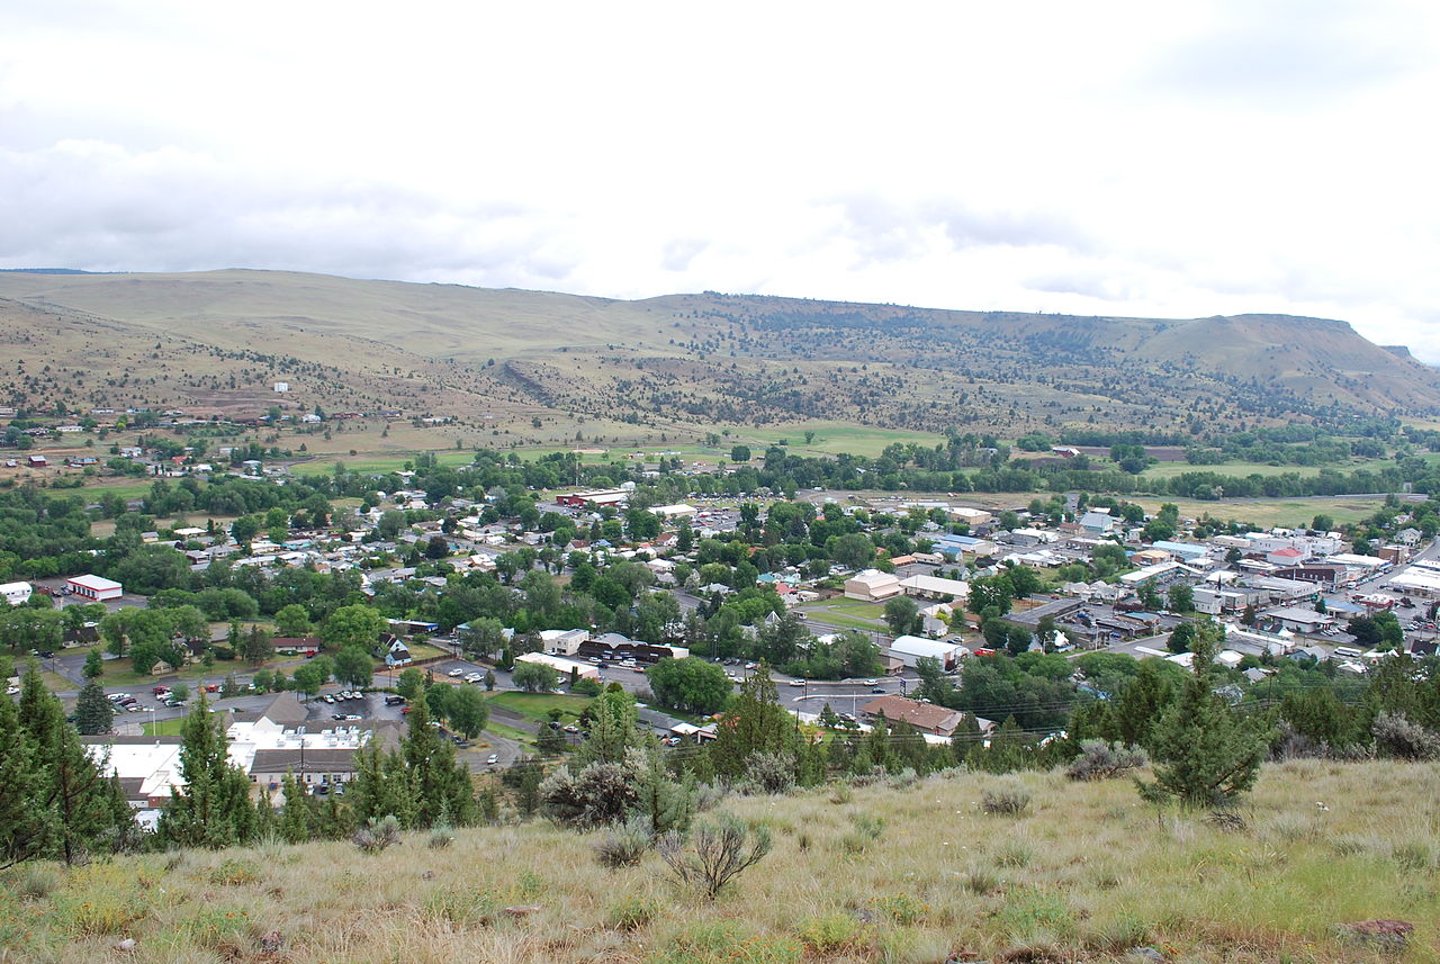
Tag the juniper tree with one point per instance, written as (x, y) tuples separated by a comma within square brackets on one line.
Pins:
[(77, 811), (1205, 754), (212, 808), (93, 712)]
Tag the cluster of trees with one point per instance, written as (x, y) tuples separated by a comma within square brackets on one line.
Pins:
[(55, 802)]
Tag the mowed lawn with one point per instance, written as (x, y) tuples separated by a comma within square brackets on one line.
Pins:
[(537, 706), (1273, 512), (847, 612), (1169, 470)]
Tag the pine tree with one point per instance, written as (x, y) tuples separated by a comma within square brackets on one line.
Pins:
[(75, 812), (94, 665), (1205, 755), (22, 825), (439, 782), (212, 808), (756, 723), (93, 712), (612, 730), (296, 823)]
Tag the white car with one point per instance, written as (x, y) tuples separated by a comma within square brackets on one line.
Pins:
[(473, 677), (797, 682), (457, 671), (328, 698), (492, 759), (869, 682)]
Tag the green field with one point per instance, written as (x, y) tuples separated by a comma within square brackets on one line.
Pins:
[(831, 438), (1274, 512), (851, 613), (537, 706), (1169, 470), (164, 727)]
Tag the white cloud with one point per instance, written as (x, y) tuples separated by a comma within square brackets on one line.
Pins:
[(1123, 159)]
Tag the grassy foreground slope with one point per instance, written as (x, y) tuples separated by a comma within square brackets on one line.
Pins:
[(1086, 874)]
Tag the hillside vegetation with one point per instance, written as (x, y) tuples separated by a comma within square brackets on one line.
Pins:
[(884, 872), (214, 342)]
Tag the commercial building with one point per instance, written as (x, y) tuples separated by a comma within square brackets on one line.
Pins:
[(567, 668), (872, 585), (95, 588), (16, 593), (933, 587), (925, 717), (909, 650)]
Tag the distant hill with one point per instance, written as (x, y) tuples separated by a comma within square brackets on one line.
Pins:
[(216, 342)]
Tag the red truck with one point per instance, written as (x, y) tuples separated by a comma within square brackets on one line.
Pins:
[(161, 691)]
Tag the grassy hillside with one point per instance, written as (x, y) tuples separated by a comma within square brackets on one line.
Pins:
[(874, 874), (683, 364)]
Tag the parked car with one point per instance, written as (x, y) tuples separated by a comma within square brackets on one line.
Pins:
[(457, 671), (328, 698), (492, 759), (473, 677), (797, 682), (394, 701), (571, 728)]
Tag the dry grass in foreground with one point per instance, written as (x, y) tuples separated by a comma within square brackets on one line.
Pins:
[(873, 873)]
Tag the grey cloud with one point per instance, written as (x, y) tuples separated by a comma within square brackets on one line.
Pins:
[(98, 207), (887, 231), (1293, 53), (679, 252)]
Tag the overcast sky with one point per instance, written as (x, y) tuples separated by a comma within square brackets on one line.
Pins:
[(1116, 157)]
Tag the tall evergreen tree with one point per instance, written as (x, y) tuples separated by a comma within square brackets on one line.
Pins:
[(212, 808), (296, 821), (756, 723), (93, 712), (1205, 755), (23, 832), (441, 784), (76, 807)]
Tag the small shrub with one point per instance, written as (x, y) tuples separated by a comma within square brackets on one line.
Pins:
[(1009, 800), (905, 779), (727, 942), (715, 854), (377, 835), (1099, 760), (980, 881), (901, 909), (708, 796), (1121, 934), (841, 795), (36, 882), (234, 872), (217, 928), (462, 906), (1030, 915), (529, 885), (803, 841), (632, 913), (1397, 736), (441, 836), (829, 934), (771, 772), (869, 827), (625, 844), (1014, 854), (1414, 856)]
